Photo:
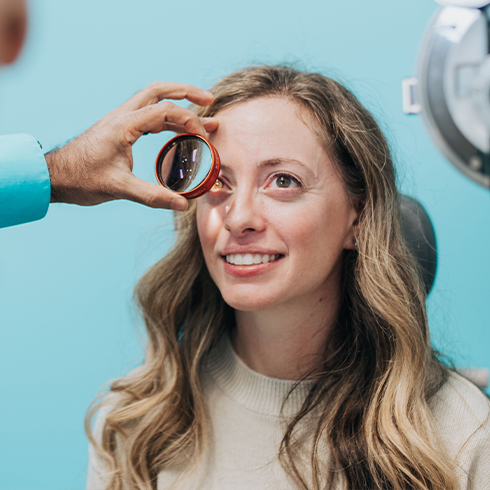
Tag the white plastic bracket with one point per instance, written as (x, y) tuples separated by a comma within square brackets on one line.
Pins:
[(410, 99)]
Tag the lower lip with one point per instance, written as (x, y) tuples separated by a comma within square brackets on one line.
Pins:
[(250, 270)]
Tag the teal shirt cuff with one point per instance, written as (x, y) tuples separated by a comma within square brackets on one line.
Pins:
[(25, 189)]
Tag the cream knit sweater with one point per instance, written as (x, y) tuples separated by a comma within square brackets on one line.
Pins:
[(244, 407)]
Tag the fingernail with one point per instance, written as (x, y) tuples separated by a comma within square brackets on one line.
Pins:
[(207, 92), (179, 204)]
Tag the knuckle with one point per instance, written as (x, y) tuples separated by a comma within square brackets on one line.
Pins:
[(167, 106), (154, 87), (193, 121), (155, 90), (150, 198)]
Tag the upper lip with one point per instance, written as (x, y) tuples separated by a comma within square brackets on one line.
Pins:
[(253, 251)]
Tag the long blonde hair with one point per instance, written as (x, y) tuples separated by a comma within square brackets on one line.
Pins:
[(379, 372)]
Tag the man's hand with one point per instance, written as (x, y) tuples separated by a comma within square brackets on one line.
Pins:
[(97, 166)]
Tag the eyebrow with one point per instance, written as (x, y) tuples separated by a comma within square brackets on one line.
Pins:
[(272, 162), (276, 161)]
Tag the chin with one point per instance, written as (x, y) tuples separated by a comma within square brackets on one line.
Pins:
[(248, 303)]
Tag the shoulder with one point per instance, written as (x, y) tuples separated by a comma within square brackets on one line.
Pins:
[(461, 399), (462, 418)]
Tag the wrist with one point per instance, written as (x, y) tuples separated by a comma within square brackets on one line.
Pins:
[(56, 164)]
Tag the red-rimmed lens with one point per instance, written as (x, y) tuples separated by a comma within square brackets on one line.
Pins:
[(188, 164)]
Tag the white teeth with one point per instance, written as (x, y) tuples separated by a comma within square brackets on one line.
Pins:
[(250, 259)]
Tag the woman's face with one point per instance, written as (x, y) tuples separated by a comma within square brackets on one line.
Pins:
[(274, 233)]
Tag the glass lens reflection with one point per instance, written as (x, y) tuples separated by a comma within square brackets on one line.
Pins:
[(185, 163)]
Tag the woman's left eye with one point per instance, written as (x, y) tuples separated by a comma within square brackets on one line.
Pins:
[(285, 181)]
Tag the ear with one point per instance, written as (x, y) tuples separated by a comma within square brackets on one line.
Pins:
[(353, 226)]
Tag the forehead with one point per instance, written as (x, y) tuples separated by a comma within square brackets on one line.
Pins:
[(267, 127)]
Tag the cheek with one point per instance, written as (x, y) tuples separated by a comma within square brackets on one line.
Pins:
[(208, 227), (201, 220), (317, 231)]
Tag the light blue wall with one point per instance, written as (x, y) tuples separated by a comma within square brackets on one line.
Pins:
[(67, 322)]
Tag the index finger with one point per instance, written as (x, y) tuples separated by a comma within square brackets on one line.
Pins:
[(160, 117), (157, 91)]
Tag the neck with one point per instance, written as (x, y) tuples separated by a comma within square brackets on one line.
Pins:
[(286, 341)]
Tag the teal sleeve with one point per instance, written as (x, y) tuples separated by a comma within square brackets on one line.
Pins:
[(25, 188)]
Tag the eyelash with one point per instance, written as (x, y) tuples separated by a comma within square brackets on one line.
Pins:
[(289, 176), (274, 177)]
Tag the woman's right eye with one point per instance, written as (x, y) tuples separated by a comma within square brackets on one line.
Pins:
[(218, 185)]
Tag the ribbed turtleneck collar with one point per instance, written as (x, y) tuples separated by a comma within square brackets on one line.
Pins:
[(250, 389)]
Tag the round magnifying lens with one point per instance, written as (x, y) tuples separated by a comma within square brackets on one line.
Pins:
[(188, 164)]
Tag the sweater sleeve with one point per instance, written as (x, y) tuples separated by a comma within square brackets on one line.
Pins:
[(475, 459), (462, 414), (25, 188)]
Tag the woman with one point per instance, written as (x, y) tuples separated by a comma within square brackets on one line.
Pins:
[(288, 344)]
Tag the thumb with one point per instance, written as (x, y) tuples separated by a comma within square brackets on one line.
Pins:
[(152, 195)]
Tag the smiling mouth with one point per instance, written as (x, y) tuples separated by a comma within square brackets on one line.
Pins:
[(251, 259)]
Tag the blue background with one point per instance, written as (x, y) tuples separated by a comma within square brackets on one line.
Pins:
[(67, 320)]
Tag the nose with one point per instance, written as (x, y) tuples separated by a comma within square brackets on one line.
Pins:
[(243, 215)]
